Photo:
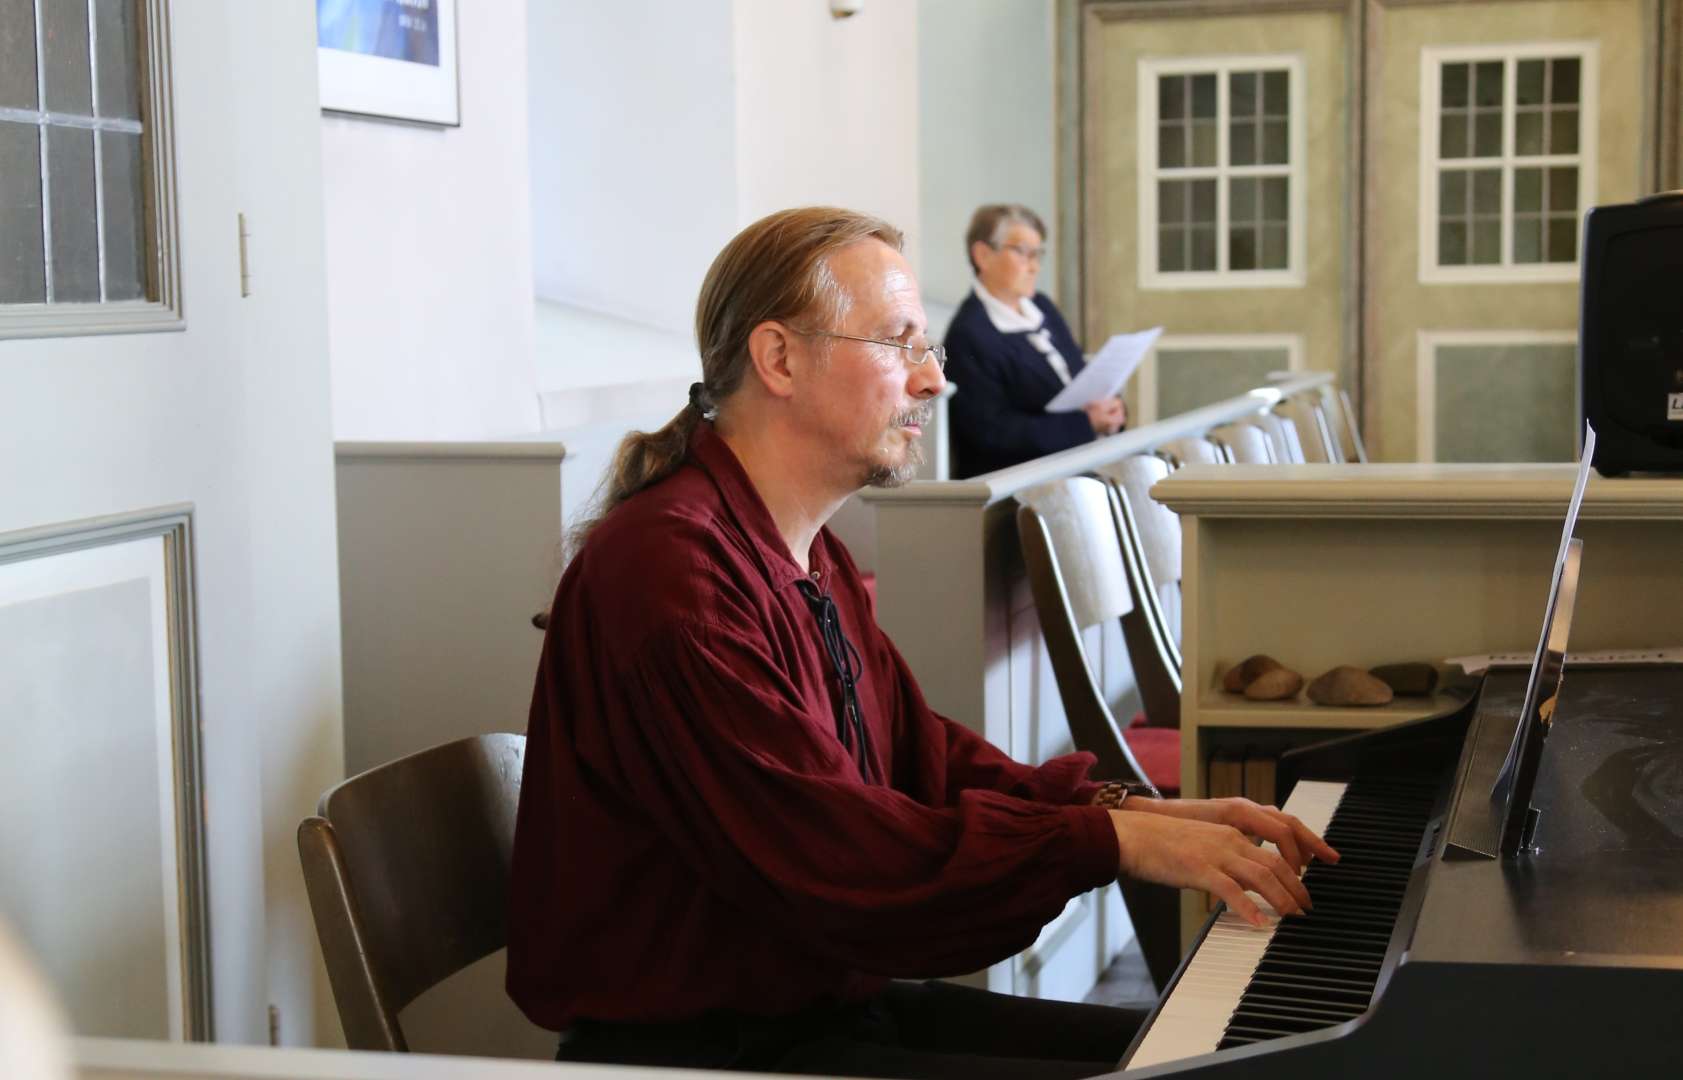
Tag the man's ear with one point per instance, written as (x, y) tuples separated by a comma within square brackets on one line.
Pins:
[(769, 347)]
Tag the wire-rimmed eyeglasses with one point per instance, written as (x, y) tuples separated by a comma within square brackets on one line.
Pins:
[(918, 354)]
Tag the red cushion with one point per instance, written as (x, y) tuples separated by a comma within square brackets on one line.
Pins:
[(1158, 752)]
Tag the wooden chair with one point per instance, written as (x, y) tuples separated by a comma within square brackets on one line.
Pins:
[(1192, 451), (1072, 551), (407, 872), (1341, 417), (1245, 444), (1302, 412)]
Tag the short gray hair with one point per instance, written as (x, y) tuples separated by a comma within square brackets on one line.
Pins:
[(988, 225)]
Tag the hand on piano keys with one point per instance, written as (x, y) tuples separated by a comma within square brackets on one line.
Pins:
[(1206, 844)]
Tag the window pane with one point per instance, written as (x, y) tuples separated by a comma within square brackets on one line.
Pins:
[(1204, 203), (1242, 149), (17, 54), (1563, 88), (1204, 97), (1487, 134), (1274, 190), (1275, 95), (1171, 97), (1452, 243), (1242, 96), (1528, 190), (1563, 240), (1204, 248), (125, 217), (1487, 191), (1171, 201), (1528, 239), (1241, 199), (1528, 75), (1452, 86), (1242, 248), (1452, 193), (1452, 136), (1563, 131), (65, 37), (1171, 146), (70, 180), (1528, 132), (1563, 189), (1171, 249), (117, 41), (1203, 142), (22, 268), (1487, 242), (1274, 247), (1274, 151), (1487, 84)]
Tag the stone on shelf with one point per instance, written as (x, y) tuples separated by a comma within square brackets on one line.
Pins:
[(1345, 685), (1275, 684), (1407, 680), (1243, 674)]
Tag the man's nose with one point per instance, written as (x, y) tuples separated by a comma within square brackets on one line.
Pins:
[(927, 380)]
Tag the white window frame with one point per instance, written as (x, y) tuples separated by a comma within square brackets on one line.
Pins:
[(1432, 60), (1427, 344), (1146, 384), (1150, 277), (159, 228)]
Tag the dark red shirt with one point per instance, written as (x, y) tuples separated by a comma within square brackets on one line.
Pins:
[(693, 835)]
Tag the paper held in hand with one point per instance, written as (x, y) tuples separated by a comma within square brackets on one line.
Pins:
[(1106, 371)]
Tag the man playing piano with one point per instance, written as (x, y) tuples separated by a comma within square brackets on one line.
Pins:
[(741, 828)]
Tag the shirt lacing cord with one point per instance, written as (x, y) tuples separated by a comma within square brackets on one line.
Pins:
[(850, 723)]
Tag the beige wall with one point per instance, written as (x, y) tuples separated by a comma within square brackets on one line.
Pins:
[(1399, 305), (1114, 300)]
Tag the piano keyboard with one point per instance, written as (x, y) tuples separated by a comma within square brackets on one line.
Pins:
[(1247, 984)]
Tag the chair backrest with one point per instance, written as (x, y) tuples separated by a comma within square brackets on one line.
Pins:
[(1192, 450), (1153, 534), (1342, 416), (1302, 413), (407, 869), (1245, 444), (1282, 438), (1072, 554)]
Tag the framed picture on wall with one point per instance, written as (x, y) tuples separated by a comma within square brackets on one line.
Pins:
[(101, 782), (389, 58)]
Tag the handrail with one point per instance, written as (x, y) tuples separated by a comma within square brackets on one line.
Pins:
[(990, 488)]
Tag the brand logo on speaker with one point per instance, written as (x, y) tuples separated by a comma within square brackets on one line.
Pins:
[(1674, 406)]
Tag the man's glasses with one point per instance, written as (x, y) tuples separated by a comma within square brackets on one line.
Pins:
[(1038, 254), (918, 354)]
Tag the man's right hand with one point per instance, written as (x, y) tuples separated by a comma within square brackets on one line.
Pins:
[(1192, 854), (1106, 415)]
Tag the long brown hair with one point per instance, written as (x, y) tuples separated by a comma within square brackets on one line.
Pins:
[(775, 269)]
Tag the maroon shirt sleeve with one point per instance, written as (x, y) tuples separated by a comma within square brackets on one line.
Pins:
[(769, 809), (970, 760)]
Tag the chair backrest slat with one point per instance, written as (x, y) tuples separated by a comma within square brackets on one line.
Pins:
[(1192, 451), (1076, 516), (407, 868), (1245, 444)]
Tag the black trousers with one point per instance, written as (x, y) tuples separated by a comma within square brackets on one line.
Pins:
[(918, 1031)]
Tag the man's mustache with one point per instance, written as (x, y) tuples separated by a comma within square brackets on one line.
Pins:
[(919, 416)]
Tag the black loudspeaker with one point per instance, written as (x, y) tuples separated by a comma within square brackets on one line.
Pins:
[(1630, 335)]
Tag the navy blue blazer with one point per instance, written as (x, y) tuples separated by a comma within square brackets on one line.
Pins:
[(998, 415)]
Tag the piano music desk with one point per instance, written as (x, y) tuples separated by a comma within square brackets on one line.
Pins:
[(1320, 565)]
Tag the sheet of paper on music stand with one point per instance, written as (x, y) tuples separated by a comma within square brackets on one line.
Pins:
[(1106, 371)]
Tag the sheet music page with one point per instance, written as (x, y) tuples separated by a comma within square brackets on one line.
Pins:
[(1106, 371)]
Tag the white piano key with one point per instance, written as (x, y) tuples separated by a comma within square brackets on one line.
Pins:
[(1196, 1012)]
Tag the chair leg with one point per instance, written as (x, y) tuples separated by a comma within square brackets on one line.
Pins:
[(1155, 912)]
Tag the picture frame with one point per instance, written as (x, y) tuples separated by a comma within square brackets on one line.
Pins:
[(101, 772), (392, 59)]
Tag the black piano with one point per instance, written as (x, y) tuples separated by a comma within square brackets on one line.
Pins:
[(1431, 953)]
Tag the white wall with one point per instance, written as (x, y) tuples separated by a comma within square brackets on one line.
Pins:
[(633, 156), (233, 416), (827, 110), (429, 254), (986, 126)]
